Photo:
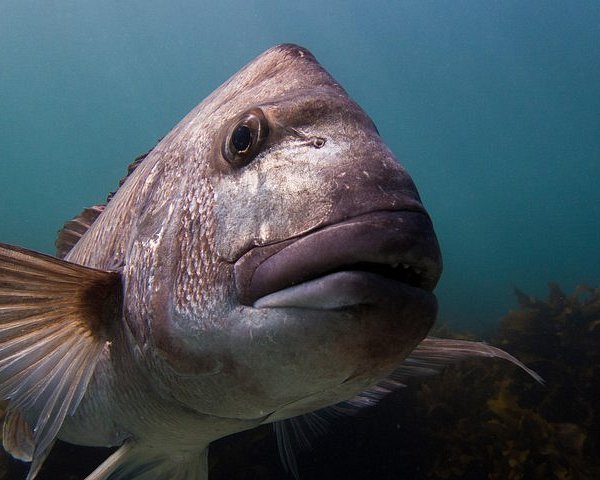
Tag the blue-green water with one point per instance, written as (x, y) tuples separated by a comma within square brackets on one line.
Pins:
[(494, 107)]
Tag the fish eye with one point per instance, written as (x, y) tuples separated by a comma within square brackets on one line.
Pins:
[(245, 138), (241, 139)]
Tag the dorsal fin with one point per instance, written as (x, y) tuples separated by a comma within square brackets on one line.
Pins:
[(54, 326), (74, 229), (130, 169)]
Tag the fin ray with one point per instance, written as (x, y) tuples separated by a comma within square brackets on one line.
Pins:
[(17, 437), (433, 354), (135, 462), (296, 433)]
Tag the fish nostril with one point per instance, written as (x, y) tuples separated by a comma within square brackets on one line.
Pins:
[(318, 142)]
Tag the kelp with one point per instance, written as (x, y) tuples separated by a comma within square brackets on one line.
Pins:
[(487, 421)]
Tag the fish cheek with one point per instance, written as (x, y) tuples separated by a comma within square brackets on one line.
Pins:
[(279, 196)]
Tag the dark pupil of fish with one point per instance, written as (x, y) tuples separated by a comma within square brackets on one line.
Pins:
[(241, 138)]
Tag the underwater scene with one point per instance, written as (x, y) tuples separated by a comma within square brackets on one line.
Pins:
[(492, 107)]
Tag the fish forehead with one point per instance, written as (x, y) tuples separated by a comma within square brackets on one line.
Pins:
[(285, 74), (274, 74), (295, 90)]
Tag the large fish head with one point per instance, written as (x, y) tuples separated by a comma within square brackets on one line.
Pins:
[(301, 261)]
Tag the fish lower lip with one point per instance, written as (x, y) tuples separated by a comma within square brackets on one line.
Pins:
[(344, 290), (397, 246)]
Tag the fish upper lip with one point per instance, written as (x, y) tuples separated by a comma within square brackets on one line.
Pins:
[(399, 245)]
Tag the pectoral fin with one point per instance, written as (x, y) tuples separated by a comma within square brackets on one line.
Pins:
[(54, 325), (431, 356)]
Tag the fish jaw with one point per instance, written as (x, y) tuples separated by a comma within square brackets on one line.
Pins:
[(273, 357), (351, 315), (348, 303)]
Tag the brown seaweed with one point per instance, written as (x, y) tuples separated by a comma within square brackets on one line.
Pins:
[(487, 421)]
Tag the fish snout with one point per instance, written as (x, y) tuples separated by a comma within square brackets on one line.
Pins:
[(373, 181), (377, 228)]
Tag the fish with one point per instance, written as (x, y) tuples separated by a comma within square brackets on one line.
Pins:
[(268, 258)]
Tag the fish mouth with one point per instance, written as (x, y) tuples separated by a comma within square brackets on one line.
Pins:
[(368, 259)]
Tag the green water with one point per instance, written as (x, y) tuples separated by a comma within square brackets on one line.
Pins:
[(494, 107)]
